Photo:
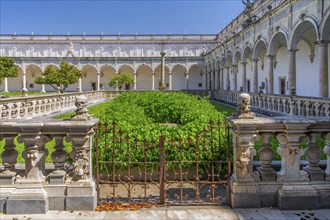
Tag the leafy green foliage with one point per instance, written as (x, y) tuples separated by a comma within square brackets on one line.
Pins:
[(7, 68), (121, 79), (59, 78), (142, 117)]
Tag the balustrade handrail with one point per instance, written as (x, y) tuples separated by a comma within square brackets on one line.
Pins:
[(36, 106)]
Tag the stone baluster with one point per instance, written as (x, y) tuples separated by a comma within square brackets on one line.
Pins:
[(298, 103), (266, 154), (34, 153), (290, 152), (316, 109), (18, 110), (313, 154), (9, 110), (326, 150), (9, 159), (59, 158), (27, 109)]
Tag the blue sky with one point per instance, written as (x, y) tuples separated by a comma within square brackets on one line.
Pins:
[(113, 17)]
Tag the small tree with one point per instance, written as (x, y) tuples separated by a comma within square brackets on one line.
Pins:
[(121, 79), (59, 78), (7, 68)]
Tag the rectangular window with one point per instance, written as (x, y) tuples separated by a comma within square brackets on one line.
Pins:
[(248, 85), (200, 85), (31, 85)]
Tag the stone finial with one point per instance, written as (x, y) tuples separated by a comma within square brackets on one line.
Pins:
[(81, 111), (244, 111)]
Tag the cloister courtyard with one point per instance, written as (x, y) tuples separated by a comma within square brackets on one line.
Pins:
[(236, 119)]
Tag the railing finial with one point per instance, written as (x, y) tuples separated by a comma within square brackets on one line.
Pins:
[(244, 107), (81, 111)]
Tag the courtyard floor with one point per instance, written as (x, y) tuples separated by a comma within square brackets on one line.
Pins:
[(181, 212)]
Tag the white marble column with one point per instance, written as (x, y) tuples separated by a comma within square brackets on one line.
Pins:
[(79, 84), (187, 80), (227, 78), (213, 78), (98, 81), (135, 75), (292, 68), (24, 80), (255, 75), (153, 81), (270, 74), (43, 86), (323, 69), (205, 80), (216, 78), (5, 82), (221, 79), (244, 76), (170, 80), (235, 76)]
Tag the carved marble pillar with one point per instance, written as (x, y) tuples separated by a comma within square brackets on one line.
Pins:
[(270, 74), (187, 80), (222, 79), (9, 159), (82, 139), (313, 154), (290, 152), (244, 76), (34, 153), (206, 80), (326, 150), (292, 68), (266, 154), (255, 75), (323, 69)]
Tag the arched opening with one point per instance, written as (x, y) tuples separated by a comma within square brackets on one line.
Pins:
[(279, 53), (15, 84), (127, 69), (179, 80), (106, 73), (89, 80), (144, 78), (195, 77), (306, 78), (260, 66), (247, 61), (32, 72)]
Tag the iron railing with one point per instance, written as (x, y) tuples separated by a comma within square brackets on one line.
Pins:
[(165, 170)]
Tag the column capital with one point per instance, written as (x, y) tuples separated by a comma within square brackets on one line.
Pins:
[(270, 56), (255, 60), (244, 62)]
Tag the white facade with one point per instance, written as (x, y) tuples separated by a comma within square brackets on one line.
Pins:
[(286, 46)]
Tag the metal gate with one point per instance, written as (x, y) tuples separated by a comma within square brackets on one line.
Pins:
[(163, 170)]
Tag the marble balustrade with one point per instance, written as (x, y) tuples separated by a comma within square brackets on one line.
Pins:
[(36, 106)]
